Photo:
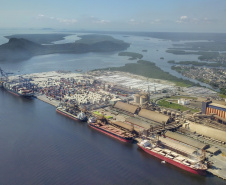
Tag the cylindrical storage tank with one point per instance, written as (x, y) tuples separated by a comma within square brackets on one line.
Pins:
[(143, 99), (137, 98)]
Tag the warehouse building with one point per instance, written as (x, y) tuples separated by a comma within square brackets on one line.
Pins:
[(154, 116), (219, 111), (184, 139), (215, 134), (126, 107)]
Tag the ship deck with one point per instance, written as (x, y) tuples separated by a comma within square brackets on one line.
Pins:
[(173, 157), (114, 130)]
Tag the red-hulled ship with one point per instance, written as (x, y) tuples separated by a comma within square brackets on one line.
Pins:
[(80, 117), (110, 130), (185, 163)]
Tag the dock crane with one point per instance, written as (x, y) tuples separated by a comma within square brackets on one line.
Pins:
[(3, 75), (3, 78)]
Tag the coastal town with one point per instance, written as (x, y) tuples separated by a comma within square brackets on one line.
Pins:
[(212, 76), (175, 124)]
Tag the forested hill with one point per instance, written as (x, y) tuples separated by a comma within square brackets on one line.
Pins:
[(18, 49)]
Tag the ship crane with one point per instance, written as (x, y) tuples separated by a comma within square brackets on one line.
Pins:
[(4, 74)]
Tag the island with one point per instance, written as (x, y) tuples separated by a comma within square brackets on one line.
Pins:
[(132, 55), (18, 49), (40, 38)]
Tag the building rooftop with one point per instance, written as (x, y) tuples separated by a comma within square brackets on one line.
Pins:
[(126, 107), (218, 105), (185, 139), (153, 116)]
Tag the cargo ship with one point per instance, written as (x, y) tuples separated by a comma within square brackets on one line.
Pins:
[(22, 91), (80, 117), (110, 130), (196, 166)]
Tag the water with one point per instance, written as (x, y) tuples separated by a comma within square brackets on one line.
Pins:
[(155, 50), (40, 146)]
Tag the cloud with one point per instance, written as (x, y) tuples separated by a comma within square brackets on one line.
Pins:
[(135, 22), (60, 20), (67, 21), (96, 20), (185, 19), (156, 21)]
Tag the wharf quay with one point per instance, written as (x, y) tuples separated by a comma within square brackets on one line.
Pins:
[(45, 99), (219, 168), (123, 101)]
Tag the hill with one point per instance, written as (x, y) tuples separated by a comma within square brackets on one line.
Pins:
[(18, 49)]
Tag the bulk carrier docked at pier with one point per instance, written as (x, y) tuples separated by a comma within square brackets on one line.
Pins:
[(112, 129), (195, 165), (80, 117)]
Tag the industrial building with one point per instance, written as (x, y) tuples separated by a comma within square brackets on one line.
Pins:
[(178, 147), (154, 116), (215, 134), (184, 139), (126, 107), (217, 110)]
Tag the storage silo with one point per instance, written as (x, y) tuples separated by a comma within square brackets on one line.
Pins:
[(143, 99), (137, 98)]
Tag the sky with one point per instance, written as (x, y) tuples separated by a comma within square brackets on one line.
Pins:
[(116, 15)]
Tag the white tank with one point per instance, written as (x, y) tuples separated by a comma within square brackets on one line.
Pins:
[(143, 99), (137, 98)]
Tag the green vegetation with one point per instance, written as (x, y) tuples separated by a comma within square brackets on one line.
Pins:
[(206, 46), (171, 62), (196, 63), (223, 91), (175, 106), (222, 96), (150, 70), (39, 38), (185, 97), (18, 49), (95, 38), (204, 55), (99, 114), (133, 55)]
